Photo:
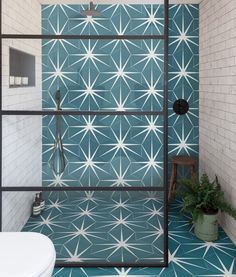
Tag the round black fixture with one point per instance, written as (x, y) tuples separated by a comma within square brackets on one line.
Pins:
[(181, 106)]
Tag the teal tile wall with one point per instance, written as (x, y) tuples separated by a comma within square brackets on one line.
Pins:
[(118, 75)]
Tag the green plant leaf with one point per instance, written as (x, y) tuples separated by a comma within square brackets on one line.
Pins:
[(203, 196)]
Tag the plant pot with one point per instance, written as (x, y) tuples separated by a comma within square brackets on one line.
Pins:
[(206, 227)]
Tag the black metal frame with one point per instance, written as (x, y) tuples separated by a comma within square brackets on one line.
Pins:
[(164, 113)]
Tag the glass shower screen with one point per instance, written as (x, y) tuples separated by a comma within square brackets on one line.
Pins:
[(91, 135)]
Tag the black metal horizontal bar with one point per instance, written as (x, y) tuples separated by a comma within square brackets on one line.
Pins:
[(110, 264), (96, 37), (8, 188), (74, 112)]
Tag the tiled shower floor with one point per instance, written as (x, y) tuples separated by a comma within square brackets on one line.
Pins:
[(188, 256), (103, 226)]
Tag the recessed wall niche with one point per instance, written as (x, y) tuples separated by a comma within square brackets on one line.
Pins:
[(22, 69)]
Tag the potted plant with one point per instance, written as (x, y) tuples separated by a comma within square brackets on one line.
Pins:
[(204, 199)]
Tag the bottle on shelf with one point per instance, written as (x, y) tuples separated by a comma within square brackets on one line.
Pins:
[(42, 201), (36, 208)]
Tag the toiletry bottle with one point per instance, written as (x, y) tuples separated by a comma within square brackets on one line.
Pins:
[(42, 201), (36, 208)]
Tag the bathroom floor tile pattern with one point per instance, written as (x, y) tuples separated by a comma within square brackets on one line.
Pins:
[(188, 256), (103, 226)]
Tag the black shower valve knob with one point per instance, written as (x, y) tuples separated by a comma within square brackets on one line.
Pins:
[(180, 106)]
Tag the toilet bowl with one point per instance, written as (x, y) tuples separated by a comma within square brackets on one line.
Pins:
[(26, 255)]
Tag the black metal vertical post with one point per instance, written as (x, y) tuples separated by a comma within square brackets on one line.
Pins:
[(166, 27), (1, 192)]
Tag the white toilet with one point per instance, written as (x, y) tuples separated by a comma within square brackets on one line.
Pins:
[(26, 255)]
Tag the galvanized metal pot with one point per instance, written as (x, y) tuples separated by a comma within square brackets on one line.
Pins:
[(206, 227)]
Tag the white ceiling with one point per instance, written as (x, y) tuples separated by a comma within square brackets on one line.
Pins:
[(120, 1)]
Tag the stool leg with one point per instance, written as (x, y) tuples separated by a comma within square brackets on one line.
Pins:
[(171, 183), (175, 178), (193, 173)]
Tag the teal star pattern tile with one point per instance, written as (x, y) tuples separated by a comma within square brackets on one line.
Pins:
[(94, 221), (184, 80), (114, 20), (103, 226), (112, 151), (118, 75)]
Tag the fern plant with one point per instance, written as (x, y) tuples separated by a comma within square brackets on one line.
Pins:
[(204, 197)]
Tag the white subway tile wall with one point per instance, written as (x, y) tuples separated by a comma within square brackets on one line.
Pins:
[(218, 98), (22, 135)]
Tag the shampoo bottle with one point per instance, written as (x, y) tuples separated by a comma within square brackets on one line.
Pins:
[(36, 208), (42, 201)]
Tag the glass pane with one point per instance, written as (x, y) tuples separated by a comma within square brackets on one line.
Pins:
[(117, 19), (98, 75), (104, 74), (83, 151), (22, 74), (93, 227), (22, 17), (22, 151)]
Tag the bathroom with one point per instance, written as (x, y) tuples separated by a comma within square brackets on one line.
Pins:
[(100, 101)]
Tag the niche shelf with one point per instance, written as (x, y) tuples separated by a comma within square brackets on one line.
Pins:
[(22, 69)]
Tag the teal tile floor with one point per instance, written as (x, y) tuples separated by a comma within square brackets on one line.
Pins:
[(188, 256), (103, 226)]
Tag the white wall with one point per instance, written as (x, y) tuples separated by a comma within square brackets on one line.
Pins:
[(22, 135), (218, 97)]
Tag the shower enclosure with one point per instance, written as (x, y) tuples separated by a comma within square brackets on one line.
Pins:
[(96, 137)]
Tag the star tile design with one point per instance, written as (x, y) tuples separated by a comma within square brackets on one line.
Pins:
[(118, 75), (184, 80), (114, 20), (105, 226), (113, 151), (114, 75)]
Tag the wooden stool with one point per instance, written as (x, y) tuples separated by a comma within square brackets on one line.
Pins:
[(175, 161)]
